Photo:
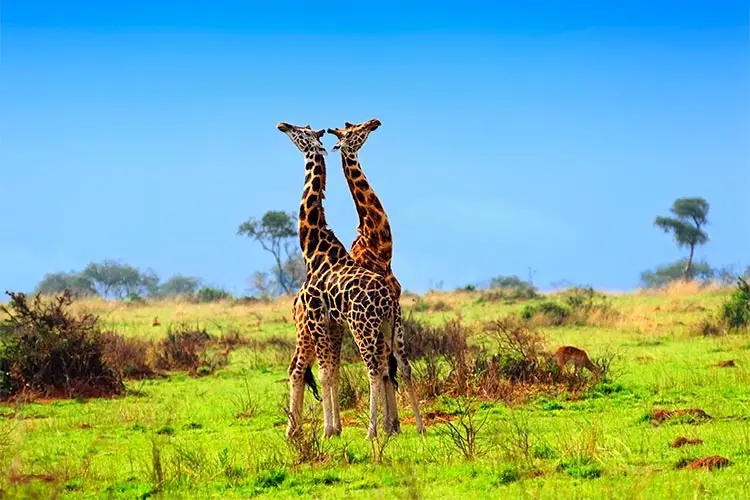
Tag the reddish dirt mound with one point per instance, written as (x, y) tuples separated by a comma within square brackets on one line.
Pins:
[(726, 364), (682, 441), (709, 463), (430, 418), (664, 415), (27, 478)]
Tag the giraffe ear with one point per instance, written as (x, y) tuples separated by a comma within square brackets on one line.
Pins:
[(347, 124), (308, 127)]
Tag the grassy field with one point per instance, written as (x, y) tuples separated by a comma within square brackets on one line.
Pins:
[(222, 435)]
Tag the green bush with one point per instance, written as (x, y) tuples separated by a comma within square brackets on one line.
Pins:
[(736, 310), (514, 287), (553, 313), (208, 294)]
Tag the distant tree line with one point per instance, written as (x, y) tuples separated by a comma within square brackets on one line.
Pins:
[(276, 232), (112, 279)]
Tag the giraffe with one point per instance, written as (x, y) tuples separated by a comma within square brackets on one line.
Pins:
[(337, 293), (373, 246)]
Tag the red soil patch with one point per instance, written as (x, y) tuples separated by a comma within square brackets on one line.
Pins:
[(664, 415), (729, 363), (682, 441), (429, 419), (27, 478), (709, 463)]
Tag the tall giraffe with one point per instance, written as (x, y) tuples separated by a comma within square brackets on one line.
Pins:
[(337, 293), (373, 246)]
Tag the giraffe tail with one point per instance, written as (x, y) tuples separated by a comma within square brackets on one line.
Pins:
[(310, 381)]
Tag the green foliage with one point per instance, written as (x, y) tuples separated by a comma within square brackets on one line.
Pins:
[(581, 467), (179, 285), (209, 294), (80, 286), (666, 274), (735, 312), (691, 214), (554, 314), (275, 232), (514, 287), (115, 279)]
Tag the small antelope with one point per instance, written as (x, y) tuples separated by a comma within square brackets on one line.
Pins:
[(155, 321), (569, 354)]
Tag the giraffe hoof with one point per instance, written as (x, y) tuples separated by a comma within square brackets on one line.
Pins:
[(420, 429), (329, 431)]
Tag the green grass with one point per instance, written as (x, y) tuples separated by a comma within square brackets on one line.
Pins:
[(222, 436)]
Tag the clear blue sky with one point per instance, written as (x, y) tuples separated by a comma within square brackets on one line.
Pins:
[(537, 134)]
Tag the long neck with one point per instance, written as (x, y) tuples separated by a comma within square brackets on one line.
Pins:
[(372, 216), (313, 228)]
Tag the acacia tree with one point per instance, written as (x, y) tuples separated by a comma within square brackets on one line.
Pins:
[(690, 216), (275, 231)]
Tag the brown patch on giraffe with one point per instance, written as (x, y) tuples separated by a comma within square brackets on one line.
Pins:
[(729, 363), (664, 415), (684, 441), (709, 463)]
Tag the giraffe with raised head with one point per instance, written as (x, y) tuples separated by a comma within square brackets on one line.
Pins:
[(373, 247), (337, 293)]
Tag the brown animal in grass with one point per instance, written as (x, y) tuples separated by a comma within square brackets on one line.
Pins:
[(155, 321), (578, 357)]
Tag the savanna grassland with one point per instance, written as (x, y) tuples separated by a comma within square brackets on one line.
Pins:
[(217, 431)]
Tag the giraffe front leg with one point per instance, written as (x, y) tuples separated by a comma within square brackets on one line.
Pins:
[(405, 366), (336, 338)]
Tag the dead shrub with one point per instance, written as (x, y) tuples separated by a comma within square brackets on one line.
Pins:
[(187, 348), (309, 447), (45, 348), (464, 430), (131, 357)]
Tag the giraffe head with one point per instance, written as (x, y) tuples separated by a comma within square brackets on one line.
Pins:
[(305, 138), (352, 136)]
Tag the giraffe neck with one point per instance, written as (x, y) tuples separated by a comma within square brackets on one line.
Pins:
[(372, 216), (313, 228)]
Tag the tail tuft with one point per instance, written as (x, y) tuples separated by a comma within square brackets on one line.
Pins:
[(310, 381)]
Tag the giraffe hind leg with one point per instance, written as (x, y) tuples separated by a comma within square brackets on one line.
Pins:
[(403, 360)]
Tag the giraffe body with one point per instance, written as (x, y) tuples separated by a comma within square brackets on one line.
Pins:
[(373, 246), (338, 293)]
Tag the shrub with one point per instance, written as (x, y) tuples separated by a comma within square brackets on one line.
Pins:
[(735, 312), (424, 340), (208, 294), (131, 357), (514, 287), (186, 348), (47, 349), (548, 313)]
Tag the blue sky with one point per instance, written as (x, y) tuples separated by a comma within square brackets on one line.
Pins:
[(537, 135)]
